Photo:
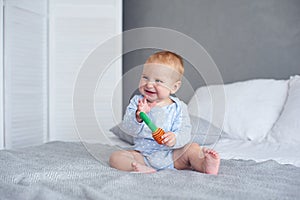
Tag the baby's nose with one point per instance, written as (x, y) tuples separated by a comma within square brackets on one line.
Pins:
[(150, 83)]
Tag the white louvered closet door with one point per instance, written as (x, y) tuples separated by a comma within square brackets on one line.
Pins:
[(1, 76), (25, 72), (76, 28)]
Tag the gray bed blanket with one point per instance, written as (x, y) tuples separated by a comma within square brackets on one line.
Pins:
[(61, 170)]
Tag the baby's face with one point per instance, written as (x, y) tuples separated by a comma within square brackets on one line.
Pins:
[(158, 81)]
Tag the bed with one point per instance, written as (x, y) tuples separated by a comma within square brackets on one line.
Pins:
[(61, 170), (260, 159)]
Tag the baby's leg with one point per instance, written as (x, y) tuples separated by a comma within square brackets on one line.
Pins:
[(192, 156), (129, 161)]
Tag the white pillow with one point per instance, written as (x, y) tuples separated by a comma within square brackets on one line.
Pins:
[(287, 128), (251, 107)]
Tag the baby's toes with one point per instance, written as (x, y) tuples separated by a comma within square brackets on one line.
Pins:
[(214, 154)]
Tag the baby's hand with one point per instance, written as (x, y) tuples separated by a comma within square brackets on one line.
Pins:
[(169, 139), (144, 106)]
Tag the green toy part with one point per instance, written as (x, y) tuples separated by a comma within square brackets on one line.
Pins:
[(148, 121)]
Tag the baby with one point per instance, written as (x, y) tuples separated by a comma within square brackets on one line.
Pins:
[(161, 77)]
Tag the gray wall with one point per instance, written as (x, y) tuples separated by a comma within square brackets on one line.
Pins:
[(246, 38)]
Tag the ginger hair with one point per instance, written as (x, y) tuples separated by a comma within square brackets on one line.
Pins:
[(167, 58)]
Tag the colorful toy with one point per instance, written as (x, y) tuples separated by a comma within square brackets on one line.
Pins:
[(156, 132)]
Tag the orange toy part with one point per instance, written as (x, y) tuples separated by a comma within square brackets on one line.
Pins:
[(157, 135)]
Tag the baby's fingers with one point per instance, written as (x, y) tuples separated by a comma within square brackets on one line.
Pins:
[(169, 139)]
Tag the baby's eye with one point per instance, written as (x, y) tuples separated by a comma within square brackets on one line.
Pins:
[(145, 77), (158, 81)]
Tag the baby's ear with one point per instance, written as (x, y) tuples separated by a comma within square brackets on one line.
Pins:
[(175, 87)]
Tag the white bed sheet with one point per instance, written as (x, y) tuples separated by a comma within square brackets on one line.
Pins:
[(246, 150)]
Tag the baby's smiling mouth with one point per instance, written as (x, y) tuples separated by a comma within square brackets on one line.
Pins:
[(150, 92)]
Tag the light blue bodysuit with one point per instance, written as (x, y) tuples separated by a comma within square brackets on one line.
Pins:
[(173, 118)]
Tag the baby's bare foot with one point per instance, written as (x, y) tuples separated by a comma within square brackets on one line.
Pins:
[(137, 167), (211, 161)]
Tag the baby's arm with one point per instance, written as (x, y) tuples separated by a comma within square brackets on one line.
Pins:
[(182, 128), (131, 123)]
